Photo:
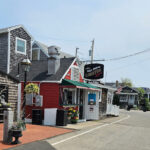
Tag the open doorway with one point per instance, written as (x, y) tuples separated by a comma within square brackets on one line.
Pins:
[(81, 104)]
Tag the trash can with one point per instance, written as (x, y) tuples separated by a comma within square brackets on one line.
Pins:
[(37, 116), (61, 119)]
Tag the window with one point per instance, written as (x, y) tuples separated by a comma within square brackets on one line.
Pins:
[(123, 98), (20, 46), (35, 54), (69, 97)]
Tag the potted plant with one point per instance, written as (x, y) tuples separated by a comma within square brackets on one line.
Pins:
[(31, 88), (69, 114), (73, 115), (16, 131)]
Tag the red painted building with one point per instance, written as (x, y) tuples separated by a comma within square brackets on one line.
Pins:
[(50, 89), (60, 82)]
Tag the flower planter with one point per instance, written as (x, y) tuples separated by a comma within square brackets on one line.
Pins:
[(73, 121), (31, 88), (69, 120), (16, 134), (73, 116)]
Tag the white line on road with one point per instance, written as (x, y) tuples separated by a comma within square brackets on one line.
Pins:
[(67, 139), (120, 120)]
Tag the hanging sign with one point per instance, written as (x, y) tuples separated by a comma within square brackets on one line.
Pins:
[(94, 71)]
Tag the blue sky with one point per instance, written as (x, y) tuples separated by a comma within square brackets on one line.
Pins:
[(120, 27)]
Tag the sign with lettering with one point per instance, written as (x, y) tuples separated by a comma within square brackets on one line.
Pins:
[(94, 71)]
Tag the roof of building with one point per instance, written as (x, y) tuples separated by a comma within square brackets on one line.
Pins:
[(100, 85), (113, 84), (39, 70), (135, 89), (4, 30), (126, 90), (45, 49), (9, 76), (132, 88), (79, 84)]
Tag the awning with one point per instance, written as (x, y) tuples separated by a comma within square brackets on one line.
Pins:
[(77, 84)]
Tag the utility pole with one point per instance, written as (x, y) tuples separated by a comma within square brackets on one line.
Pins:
[(76, 54), (92, 51)]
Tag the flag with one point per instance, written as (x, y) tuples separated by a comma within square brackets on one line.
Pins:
[(119, 90)]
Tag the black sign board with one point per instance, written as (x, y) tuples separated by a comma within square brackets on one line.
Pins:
[(94, 71)]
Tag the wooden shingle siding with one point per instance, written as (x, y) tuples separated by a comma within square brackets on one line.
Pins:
[(35, 46), (42, 56), (15, 58), (12, 92), (3, 51)]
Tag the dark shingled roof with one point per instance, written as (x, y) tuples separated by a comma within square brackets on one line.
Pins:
[(39, 70), (9, 76)]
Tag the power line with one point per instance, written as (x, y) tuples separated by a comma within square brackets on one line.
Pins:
[(134, 54), (129, 65), (122, 57), (124, 66)]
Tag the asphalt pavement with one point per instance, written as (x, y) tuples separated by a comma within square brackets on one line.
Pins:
[(130, 131)]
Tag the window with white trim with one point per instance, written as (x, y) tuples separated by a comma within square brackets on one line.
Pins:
[(20, 46), (35, 54), (69, 96)]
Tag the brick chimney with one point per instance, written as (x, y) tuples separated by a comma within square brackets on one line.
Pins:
[(53, 60)]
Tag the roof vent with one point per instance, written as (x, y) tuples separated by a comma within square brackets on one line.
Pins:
[(53, 51)]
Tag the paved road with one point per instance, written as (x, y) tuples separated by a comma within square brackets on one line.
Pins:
[(130, 133)]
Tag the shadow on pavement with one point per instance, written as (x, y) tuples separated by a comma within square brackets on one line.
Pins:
[(38, 145)]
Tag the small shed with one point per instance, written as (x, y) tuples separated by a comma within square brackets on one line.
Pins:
[(9, 90)]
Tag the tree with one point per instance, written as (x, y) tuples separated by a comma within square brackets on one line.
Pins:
[(147, 105), (140, 96), (141, 93), (126, 82)]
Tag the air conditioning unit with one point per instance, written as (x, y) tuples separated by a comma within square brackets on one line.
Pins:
[(39, 100)]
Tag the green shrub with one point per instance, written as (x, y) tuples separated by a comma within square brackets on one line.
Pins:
[(147, 105)]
